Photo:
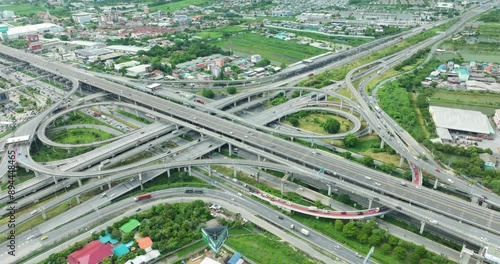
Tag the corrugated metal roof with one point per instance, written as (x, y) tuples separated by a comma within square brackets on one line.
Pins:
[(459, 119)]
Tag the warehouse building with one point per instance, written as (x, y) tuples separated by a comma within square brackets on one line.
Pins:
[(22, 31), (449, 120)]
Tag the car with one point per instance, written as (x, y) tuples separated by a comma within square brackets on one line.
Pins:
[(444, 255), (273, 146), (138, 209), (358, 255), (450, 181), (368, 178), (44, 237), (399, 207), (194, 118), (418, 187), (30, 237), (210, 145), (376, 199), (376, 183), (432, 221), (343, 213), (438, 170), (403, 183), (231, 132), (315, 153), (34, 212), (359, 213), (484, 197), (246, 136), (280, 217), (484, 239)]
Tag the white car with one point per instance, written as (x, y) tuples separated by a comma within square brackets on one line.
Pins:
[(433, 221), (378, 184), (30, 237), (368, 178)]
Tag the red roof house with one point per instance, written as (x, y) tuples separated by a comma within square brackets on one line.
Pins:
[(93, 253)]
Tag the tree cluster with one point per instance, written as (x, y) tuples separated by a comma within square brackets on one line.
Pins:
[(367, 233)]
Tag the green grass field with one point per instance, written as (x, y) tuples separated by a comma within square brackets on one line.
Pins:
[(267, 250), (312, 123), (346, 40), (174, 6), (79, 136), (218, 32), (466, 98), (277, 51), (23, 9)]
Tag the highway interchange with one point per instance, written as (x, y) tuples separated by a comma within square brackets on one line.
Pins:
[(288, 156)]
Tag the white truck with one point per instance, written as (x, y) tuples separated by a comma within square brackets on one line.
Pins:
[(312, 208), (305, 232)]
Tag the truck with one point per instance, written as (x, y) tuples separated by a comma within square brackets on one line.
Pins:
[(142, 197), (305, 232), (199, 101), (312, 208)]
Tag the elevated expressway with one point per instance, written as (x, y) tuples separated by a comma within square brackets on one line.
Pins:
[(287, 152), (397, 144)]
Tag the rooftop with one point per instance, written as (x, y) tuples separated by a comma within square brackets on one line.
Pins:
[(462, 120), (130, 226), (93, 252)]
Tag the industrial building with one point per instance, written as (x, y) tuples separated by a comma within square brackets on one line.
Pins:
[(450, 120), (22, 31)]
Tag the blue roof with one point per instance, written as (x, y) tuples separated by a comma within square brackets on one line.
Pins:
[(442, 67), (120, 250), (107, 239), (234, 258)]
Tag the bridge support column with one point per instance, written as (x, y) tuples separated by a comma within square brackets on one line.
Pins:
[(258, 157), (370, 130), (422, 226), (140, 181), (282, 188), (109, 185), (55, 180), (78, 199), (341, 104), (234, 171), (209, 171), (291, 138), (370, 202), (326, 97), (230, 150), (401, 161), (249, 99), (44, 216), (436, 184), (80, 183), (381, 144), (234, 104), (101, 188), (329, 189), (168, 173), (119, 98), (136, 113), (176, 126), (37, 174), (189, 170)]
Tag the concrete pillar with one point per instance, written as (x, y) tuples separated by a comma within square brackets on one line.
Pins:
[(168, 173), (80, 183), (55, 180), (341, 104), (140, 176), (109, 185), (101, 188), (234, 171), (436, 183), (291, 138), (370, 202), (370, 130), (230, 150), (422, 225), (44, 216), (401, 161), (249, 99), (258, 157), (218, 149), (382, 144), (300, 93), (142, 186), (282, 188), (234, 104), (326, 97), (257, 175), (78, 199), (189, 170), (474, 199), (209, 171), (329, 189)]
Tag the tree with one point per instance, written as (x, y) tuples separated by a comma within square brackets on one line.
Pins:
[(400, 252), (386, 249), (346, 154), (123, 70), (283, 66), (339, 225), (293, 120), (350, 140), (262, 63), (374, 240), (63, 37), (208, 93), (350, 229), (367, 161), (231, 90), (331, 125)]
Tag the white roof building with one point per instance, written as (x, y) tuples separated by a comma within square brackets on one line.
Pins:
[(139, 70), (482, 86), (16, 32), (461, 120), (126, 64), (126, 49)]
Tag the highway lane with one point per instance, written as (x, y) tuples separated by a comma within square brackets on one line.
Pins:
[(243, 205), (261, 140)]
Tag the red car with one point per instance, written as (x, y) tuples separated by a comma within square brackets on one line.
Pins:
[(438, 170)]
